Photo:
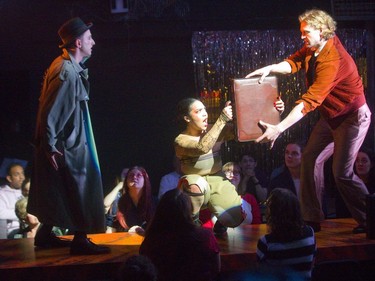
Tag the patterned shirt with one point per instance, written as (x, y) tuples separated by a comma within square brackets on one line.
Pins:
[(297, 255)]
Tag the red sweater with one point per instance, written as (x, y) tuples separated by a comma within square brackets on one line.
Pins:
[(337, 89)]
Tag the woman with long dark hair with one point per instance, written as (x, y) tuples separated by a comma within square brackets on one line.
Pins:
[(135, 206), (179, 249)]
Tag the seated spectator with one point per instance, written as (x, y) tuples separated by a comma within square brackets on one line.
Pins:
[(170, 180), (9, 194), (288, 175), (137, 268), (179, 249), (253, 180), (290, 244), (364, 168), (29, 223), (25, 187), (232, 172), (111, 202), (135, 206)]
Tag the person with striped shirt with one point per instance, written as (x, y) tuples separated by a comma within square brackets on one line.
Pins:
[(290, 245)]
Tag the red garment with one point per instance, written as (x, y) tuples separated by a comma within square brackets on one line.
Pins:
[(255, 210), (337, 88), (205, 217)]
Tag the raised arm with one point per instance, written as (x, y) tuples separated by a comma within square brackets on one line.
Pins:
[(188, 145)]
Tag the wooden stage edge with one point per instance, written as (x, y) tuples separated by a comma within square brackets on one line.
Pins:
[(19, 260)]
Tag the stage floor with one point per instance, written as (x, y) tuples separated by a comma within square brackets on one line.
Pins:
[(19, 260)]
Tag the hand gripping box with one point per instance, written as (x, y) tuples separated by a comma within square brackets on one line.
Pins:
[(254, 102)]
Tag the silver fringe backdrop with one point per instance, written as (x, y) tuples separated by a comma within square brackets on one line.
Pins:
[(219, 56)]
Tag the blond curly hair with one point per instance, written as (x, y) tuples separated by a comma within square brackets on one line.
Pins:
[(319, 19)]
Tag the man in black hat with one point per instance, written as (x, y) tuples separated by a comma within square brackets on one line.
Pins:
[(66, 185)]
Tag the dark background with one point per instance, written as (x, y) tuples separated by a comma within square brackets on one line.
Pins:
[(140, 68)]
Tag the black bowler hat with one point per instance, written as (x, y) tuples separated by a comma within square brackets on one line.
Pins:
[(71, 30)]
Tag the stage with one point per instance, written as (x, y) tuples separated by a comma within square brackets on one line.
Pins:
[(20, 261)]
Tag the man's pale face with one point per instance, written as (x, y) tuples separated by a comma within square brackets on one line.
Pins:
[(198, 117), (16, 177), (310, 35), (87, 42), (292, 156)]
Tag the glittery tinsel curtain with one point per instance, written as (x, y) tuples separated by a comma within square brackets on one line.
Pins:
[(219, 56)]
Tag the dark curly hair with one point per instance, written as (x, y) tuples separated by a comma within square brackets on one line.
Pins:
[(284, 215)]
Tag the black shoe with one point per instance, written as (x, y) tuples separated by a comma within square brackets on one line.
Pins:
[(51, 241), (219, 229), (314, 225), (86, 247), (359, 229)]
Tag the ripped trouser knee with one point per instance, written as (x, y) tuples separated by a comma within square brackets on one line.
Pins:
[(198, 190)]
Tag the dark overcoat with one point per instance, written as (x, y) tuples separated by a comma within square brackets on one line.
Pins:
[(71, 197)]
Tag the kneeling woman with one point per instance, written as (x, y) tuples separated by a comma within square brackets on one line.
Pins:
[(198, 150)]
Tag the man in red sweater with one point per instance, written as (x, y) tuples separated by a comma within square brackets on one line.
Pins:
[(335, 88)]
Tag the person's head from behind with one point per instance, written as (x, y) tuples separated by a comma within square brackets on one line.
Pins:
[(137, 268), (293, 155), (15, 175), (173, 213), (232, 172), (192, 114), (364, 162), (283, 214), (22, 214), (316, 27)]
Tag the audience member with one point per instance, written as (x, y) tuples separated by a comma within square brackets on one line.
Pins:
[(198, 149), (9, 194), (232, 172), (135, 206), (364, 167), (288, 175), (180, 249), (29, 223), (25, 187), (170, 180), (111, 202), (137, 268), (253, 180), (290, 243)]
